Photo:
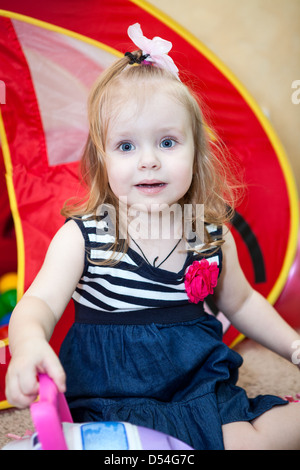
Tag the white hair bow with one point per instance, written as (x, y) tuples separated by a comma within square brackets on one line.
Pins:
[(157, 48)]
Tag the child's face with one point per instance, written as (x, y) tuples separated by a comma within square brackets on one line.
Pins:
[(150, 152)]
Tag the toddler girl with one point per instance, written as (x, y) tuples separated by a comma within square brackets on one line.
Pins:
[(139, 263)]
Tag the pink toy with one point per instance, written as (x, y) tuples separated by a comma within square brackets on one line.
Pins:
[(48, 413), (55, 429)]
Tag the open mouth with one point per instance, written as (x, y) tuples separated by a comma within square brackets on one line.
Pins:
[(150, 185)]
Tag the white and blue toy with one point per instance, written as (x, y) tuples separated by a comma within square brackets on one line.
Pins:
[(55, 429)]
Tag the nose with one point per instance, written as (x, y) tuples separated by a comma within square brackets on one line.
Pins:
[(148, 160)]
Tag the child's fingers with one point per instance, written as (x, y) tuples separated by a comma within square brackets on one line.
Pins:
[(55, 370), (22, 385), (28, 383), (21, 393)]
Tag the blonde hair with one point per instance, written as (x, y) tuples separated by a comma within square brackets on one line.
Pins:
[(211, 173)]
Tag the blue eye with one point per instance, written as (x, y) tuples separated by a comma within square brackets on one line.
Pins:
[(167, 143), (126, 147)]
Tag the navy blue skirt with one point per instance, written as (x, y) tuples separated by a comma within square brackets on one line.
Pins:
[(177, 377)]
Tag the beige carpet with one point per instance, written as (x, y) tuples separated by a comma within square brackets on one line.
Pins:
[(263, 372)]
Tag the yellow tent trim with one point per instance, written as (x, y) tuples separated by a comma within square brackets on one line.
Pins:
[(18, 227), (14, 210), (4, 405)]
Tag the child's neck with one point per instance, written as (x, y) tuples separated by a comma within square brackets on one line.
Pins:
[(157, 237)]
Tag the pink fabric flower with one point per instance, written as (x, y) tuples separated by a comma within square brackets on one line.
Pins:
[(200, 280)]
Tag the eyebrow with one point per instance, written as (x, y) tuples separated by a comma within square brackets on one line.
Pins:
[(170, 131), (116, 137)]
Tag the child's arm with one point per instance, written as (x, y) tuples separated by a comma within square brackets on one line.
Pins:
[(35, 316), (249, 311)]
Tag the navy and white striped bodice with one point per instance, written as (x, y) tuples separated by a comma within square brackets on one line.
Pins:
[(132, 284)]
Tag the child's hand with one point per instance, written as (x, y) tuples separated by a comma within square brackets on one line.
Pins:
[(29, 359)]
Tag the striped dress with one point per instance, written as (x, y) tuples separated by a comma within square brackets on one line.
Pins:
[(140, 351), (132, 285)]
